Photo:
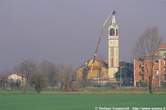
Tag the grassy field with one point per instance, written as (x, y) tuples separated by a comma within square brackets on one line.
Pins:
[(77, 101)]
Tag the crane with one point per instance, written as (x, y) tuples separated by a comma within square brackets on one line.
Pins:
[(105, 24)]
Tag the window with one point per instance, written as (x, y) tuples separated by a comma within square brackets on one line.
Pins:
[(112, 32), (116, 32), (156, 61), (141, 66), (164, 76), (156, 75)]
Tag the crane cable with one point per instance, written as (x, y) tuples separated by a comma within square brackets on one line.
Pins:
[(96, 50), (98, 43)]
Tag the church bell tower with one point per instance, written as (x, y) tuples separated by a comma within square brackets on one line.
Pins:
[(113, 48)]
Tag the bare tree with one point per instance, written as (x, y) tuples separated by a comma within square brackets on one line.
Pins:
[(50, 70), (146, 48), (39, 81), (3, 82), (65, 77), (26, 68)]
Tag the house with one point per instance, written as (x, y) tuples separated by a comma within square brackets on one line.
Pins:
[(16, 77)]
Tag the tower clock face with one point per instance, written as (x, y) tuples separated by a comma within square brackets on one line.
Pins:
[(112, 32)]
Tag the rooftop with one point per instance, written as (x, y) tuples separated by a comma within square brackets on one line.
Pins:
[(163, 46)]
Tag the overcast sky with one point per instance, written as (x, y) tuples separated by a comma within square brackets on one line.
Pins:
[(66, 31)]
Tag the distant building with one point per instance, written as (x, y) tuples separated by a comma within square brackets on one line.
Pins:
[(16, 77), (142, 66)]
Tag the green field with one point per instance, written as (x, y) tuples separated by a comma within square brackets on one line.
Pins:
[(77, 101)]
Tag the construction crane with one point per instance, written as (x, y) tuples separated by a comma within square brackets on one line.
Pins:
[(106, 22), (96, 50)]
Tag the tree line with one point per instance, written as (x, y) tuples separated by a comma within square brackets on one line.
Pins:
[(40, 75)]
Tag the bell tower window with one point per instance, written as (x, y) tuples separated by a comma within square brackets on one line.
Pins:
[(116, 32), (112, 32)]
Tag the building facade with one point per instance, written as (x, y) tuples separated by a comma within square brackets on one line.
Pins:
[(143, 68)]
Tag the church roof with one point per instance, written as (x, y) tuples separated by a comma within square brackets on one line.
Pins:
[(89, 62)]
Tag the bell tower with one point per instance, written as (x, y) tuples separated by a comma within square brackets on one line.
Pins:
[(113, 48)]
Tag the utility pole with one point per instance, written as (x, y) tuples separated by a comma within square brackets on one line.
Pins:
[(120, 75)]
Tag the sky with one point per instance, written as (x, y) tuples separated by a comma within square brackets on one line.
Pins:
[(66, 31)]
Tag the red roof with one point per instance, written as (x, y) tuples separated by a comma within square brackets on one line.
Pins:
[(163, 46)]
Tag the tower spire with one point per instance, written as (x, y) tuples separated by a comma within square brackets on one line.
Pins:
[(113, 12), (113, 17)]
